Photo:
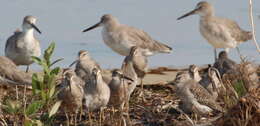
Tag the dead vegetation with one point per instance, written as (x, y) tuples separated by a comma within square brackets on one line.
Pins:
[(160, 108)]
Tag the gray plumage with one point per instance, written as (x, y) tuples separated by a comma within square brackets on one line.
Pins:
[(219, 32), (120, 38), (22, 44), (192, 73), (97, 92), (119, 89), (225, 65), (129, 71), (71, 91), (85, 65), (196, 98), (9, 70)]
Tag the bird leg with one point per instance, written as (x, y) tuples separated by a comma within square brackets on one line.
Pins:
[(215, 53), (67, 117), (81, 110), (239, 53), (142, 91), (89, 117), (27, 69)]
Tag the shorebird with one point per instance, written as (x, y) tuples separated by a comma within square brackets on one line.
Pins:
[(129, 71), (192, 73), (22, 44), (225, 65), (196, 98), (120, 38), (119, 89), (85, 65), (97, 92), (140, 62), (219, 32), (71, 92)]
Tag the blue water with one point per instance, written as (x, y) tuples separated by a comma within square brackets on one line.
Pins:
[(62, 21)]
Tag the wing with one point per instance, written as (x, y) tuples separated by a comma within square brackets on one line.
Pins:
[(143, 40), (12, 40), (204, 97), (140, 65), (236, 32)]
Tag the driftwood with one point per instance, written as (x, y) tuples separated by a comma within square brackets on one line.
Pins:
[(11, 75)]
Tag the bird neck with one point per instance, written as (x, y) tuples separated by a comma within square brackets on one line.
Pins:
[(28, 33), (112, 25), (206, 15)]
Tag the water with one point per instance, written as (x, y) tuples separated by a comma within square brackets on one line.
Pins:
[(62, 21)]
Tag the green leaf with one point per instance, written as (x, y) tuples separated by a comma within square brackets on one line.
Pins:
[(52, 91), (35, 83), (54, 108), (33, 108), (240, 88), (48, 52), (56, 61), (37, 60), (55, 71)]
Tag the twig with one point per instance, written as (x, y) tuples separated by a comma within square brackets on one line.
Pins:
[(252, 24)]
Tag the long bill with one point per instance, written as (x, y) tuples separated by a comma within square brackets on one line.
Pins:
[(92, 27), (73, 63), (125, 77), (188, 14), (37, 29)]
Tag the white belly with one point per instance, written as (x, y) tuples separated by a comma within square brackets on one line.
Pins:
[(22, 54)]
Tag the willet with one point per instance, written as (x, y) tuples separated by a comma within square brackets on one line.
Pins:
[(85, 65), (119, 89), (196, 98), (97, 92), (120, 38), (71, 92), (22, 44), (219, 32), (225, 65)]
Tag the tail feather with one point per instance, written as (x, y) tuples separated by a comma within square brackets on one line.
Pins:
[(160, 47)]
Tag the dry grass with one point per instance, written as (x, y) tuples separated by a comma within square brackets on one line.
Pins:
[(158, 109)]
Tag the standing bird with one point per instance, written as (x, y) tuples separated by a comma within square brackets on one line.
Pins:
[(219, 32), (119, 89), (140, 62), (97, 92), (225, 65), (71, 92), (85, 65), (120, 38), (22, 45)]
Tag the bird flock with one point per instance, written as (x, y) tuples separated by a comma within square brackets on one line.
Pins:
[(87, 86)]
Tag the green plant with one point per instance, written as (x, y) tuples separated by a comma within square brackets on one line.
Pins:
[(240, 88), (43, 87)]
